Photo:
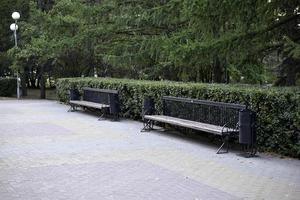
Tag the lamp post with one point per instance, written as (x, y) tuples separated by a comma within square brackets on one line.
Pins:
[(14, 28)]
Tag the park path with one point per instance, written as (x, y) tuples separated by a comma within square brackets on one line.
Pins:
[(49, 153)]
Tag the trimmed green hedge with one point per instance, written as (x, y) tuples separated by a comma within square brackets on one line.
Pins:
[(8, 87), (278, 109)]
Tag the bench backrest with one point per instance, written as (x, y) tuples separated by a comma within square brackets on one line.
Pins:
[(103, 96), (211, 112)]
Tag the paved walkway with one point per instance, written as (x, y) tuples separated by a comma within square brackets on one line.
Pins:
[(48, 153)]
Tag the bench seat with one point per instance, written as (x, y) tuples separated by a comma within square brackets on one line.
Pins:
[(217, 130), (89, 104)]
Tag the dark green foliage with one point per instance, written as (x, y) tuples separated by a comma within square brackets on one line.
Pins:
[(180, 40), (8, 87), (278, 109)]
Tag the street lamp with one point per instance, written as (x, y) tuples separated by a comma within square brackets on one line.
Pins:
[(14, 27)]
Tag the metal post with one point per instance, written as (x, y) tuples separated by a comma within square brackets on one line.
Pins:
[(18, 78), (18, 86), (15, 34)]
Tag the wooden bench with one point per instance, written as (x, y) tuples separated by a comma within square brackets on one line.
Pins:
[(217, 118), (107, 101)]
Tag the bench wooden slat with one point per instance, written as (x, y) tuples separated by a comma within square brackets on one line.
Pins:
[(190, 124), (89, 104)]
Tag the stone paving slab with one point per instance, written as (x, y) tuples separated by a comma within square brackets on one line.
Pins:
[(48, 153), (134, 179), (32, 129)]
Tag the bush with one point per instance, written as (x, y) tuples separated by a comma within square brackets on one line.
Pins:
[(8, 87), (278, 109)]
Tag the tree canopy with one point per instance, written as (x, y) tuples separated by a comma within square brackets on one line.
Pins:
[(252, 41)]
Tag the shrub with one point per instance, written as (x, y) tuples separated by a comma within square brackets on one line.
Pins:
[(8, 87), (278, 109)]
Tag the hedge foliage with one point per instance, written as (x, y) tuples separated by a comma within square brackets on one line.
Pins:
[(8, 87), (278, 109)]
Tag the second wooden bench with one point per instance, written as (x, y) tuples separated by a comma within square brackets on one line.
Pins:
[(102, 99)]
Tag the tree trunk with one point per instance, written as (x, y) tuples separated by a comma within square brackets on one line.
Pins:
[(42, 84), (33, 78), (217, 70), (24, 78), (288, 72), (292, 72), (226, 74)]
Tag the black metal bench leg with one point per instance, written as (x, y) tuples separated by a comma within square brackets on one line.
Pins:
[(148, 125), (248, 151), (72, 108), (101, 117), (253, 150), (225, 142)]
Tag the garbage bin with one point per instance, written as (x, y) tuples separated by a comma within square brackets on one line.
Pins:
[(74, 94), (149, 106), (114, 105), (247, 127)]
